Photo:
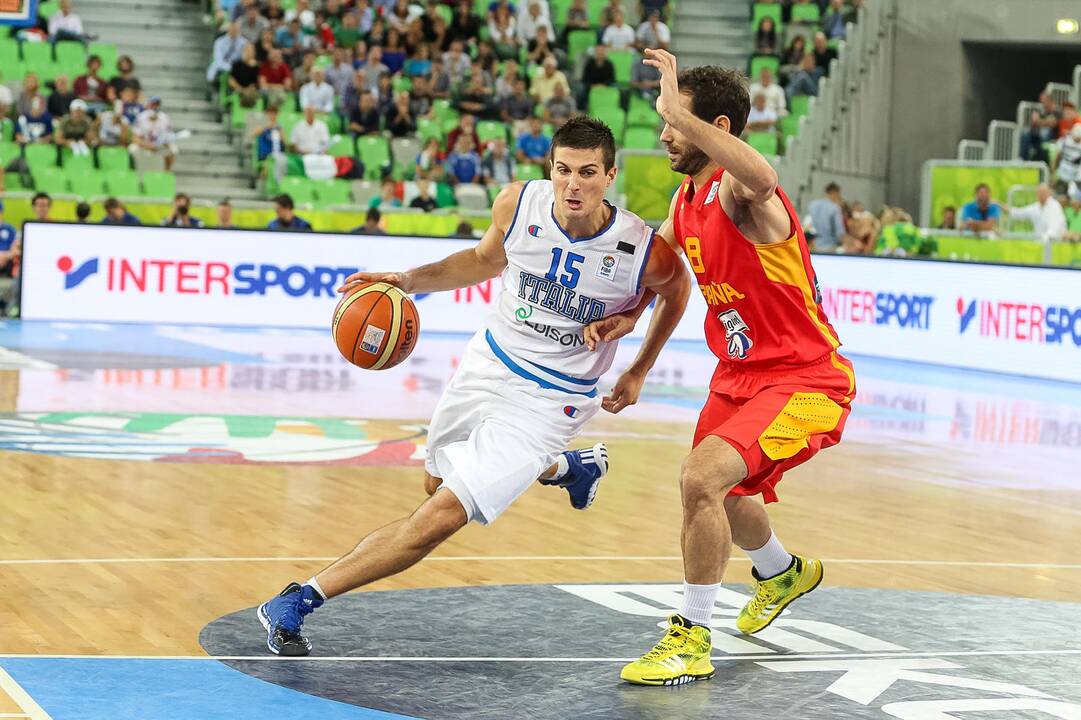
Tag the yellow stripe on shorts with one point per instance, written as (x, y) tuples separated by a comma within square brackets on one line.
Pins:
[(804, 415)]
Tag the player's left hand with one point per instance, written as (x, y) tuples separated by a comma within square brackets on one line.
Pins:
[(668, 101), (624, 393), (607, 329)]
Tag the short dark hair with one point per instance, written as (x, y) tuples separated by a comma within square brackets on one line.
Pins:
[(111, 203), (373, 215), (225, 203), (717, 91), (833, 187), (181, 196), (284, 200), (82, 210), (582, 132), (39, 196), (982, 185), (949, 208)]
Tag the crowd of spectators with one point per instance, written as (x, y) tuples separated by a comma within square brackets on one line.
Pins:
[(388, 67), (1052, 217)]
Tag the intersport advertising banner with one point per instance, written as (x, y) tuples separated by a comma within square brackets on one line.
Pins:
[(1020, 320)]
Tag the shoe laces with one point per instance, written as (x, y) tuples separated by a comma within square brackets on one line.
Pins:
[(291, 612), (670, 643), (764, 595)]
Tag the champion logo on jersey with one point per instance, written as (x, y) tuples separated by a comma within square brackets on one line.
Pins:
[(570, 410), (535, 230)]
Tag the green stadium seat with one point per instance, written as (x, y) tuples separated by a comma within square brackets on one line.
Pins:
[(122, 183), (72, 162), (374, 151), (528, 171), (108, 54), (427, 129), (488, 130), (343, 148), (9, 54), (71, 57), (334, 123), (615, 119), (400, 83), (557, 11), (7, 130), (579, 42), (333, 192), (641, 113), (86, 183), (15, 72), (764, 142), (449, 118), (764, 10), (789, 125), (37, 53), (622, 60), (301, 189), (808, 13), (641, 138), (158, 184), (799, 105), (48, 8), (238, 115), (39, 155), (760, 61), (446, 13), (9, 150), (113, 158), (603, 97), (288, 120), (594, 7), (50, 179)]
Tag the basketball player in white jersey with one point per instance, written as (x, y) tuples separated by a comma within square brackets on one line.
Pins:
[(574, 269)]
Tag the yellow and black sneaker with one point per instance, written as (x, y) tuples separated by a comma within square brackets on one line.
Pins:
[(774, 594), (682, 656)]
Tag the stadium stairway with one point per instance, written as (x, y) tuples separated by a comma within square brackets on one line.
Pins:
[(711, 32), (169, 43)]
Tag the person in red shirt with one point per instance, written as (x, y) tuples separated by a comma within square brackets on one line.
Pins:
[(275, 77), (780, 393)]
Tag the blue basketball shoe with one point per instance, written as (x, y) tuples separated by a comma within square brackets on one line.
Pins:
[(585, 468), (283, 615)]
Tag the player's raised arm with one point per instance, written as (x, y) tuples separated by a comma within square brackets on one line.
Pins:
[(462, 269)]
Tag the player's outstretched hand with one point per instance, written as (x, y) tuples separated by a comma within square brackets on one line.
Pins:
[(396, 279), (665, 62), (624, 393), (607, 329)]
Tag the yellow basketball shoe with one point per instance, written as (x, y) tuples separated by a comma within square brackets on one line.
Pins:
[(774, 594), (682, 656)]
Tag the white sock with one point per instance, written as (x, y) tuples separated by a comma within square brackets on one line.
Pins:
[(562, 468), (698, 602), (314, 584), (770, 559)]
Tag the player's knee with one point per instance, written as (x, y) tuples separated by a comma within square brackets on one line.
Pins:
[(706, 477), (437, 519)]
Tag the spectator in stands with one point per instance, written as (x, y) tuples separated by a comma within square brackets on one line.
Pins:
[(400, 119), (861, 232), (152, 132), (646, 79), (371, 224), (287, 219), (541, 47), (91, 88), (42, 205), (463, 164), (1067, 164), (608, 12), (125, 78), (265, 46), (475, 98), (1046, 215), (274, 12), (66, 25), (35, 126), (833, 22), (530, 22), (365, 119), (387, 199), (61, 98), (577, 19), (598, 71), (244, 77), (351, 97), (464, 230), (498, 166), (456, 62), (128, 106), (1073, 219), (303, 13), (827, 219), (983, 213), (31, 91), (645, 7), (560, 107), (765, 38), (949, 218), (533, 146), (374, 67), (761, 117), (804, 82), (365, 16), (653, 33), (517, 108), (419, 63), (467, 125), (792, 58), (82, 212), (384, 94), (464, 25), (75, 131), (294, 42), (424, 200), (348, 33), (181, 215), (340, 72), (775, 98), (420, 97), (394, 52), (544, 82), (618, 35), (398, 17), (430, 159), (227, 50), (270, 145), (823, 54), (253, 25), (1069, 119), (318, 93), (117, 214), (275, 78), (225, 215), (502, 29), (1043, 127), (111, 128), (441, 81), (310, 136), (8, 238), (504, 84)]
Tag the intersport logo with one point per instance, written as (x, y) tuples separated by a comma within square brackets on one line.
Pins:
[(1020, 322), (73, 278)]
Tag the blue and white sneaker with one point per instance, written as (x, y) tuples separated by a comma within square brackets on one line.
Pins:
[(585, 470), (283, 615)]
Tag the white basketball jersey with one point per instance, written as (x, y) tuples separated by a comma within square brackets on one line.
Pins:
[(555, 285)]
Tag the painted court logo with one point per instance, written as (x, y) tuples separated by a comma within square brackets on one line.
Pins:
[(72, 278)]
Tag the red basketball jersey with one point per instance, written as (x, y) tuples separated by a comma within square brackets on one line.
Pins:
[(764, 311)]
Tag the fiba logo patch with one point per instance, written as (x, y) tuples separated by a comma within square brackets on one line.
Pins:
[(535, 230), (570, 410), (607, 269), (737, 333), (72, 278)]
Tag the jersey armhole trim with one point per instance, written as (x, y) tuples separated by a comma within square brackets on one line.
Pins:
[(517, 207), (645, 261)]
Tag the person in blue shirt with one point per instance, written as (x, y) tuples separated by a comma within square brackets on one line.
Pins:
[(287, 220), (8, 244), (533, 145), (463, 165), (182, 216), (117, 214), (983, 213), (37, 126)]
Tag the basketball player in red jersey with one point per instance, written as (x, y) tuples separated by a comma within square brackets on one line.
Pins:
[(780, 393)]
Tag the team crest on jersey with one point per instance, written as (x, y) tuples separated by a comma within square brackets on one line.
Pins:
[(712, 192), (570, 410), (607, 269), (535, 230), (737, 333)]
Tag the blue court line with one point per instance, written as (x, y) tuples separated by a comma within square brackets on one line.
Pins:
[(148, 689)]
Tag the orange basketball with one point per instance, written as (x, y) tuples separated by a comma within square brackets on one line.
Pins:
[(375, 326)]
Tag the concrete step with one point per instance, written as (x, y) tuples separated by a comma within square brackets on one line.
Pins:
[(728, 10), (720, 33), (710, 46), (202, 189), (694, 59)]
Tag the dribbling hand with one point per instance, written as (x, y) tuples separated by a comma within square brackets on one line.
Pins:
[(624, 393), (393, 278), (608, 329)]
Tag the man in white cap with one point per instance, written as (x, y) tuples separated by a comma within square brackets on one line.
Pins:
[(153, 133), (75, 129)]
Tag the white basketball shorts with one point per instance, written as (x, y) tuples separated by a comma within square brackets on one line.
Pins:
[(495, 431)]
